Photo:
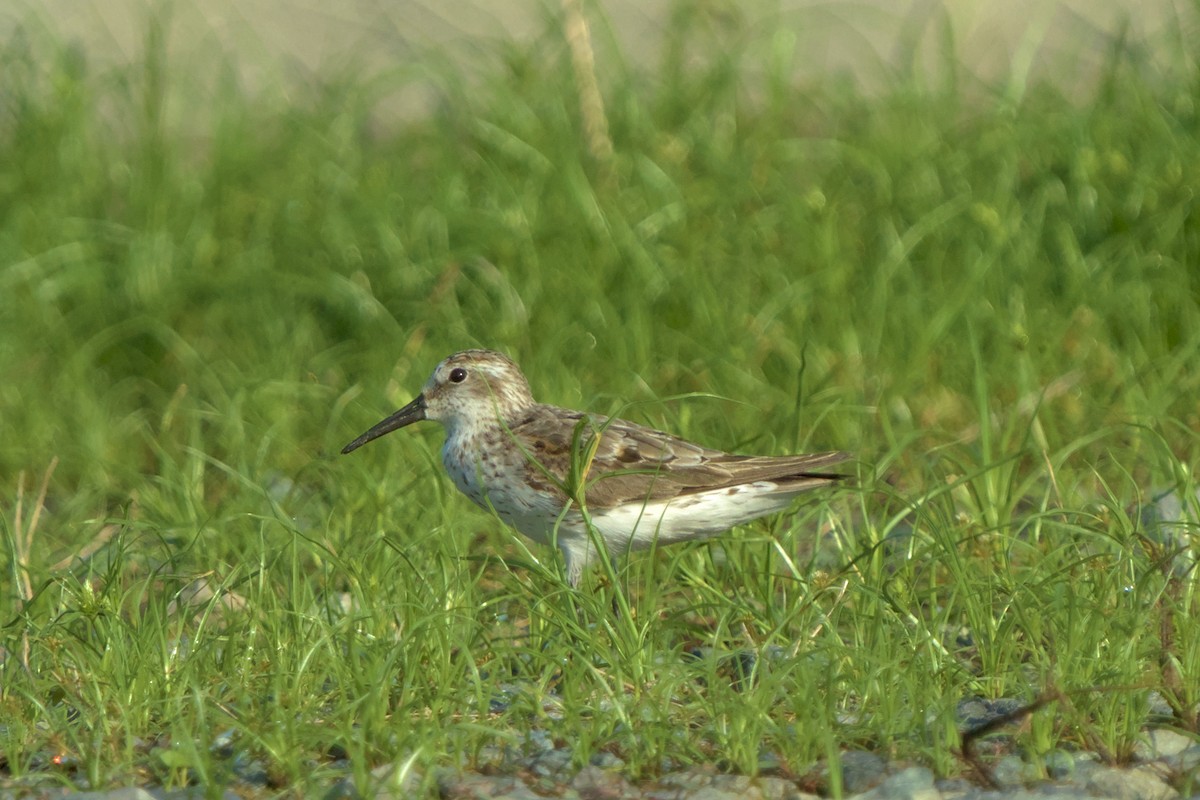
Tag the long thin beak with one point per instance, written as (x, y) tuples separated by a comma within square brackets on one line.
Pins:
[(413, 412)]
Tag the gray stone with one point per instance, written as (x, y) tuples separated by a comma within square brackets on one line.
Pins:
[(914, 783), (138, 793), (190, 793), (1011, 771), (738, 786), (780, 789), (539, 741), (469, 786), (1137, 783), (686, 784), (345, 789), (975, 712), (549, 764), (594, 783), (1185, 762), (700, 784), (1059, 764), (1158, 706), (1160, 743), (861, 770), (956, 787), (606, 760), (388, 782), (1170, 523), (1041, 792)]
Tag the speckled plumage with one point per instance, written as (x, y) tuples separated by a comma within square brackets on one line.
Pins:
[(508, 452)]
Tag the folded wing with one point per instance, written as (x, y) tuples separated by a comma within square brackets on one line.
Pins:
[(640, 464)]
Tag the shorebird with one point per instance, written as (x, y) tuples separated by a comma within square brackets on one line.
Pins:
[(547, 470)]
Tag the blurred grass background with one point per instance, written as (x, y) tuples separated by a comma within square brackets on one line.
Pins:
[(988, 292)]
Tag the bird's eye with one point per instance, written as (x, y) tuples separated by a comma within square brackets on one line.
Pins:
[(458, 375)]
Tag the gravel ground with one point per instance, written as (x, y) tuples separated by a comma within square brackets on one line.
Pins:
[(1167, 763), (1170, 762), (1167, 767)]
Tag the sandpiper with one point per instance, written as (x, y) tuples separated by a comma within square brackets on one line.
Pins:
[(537, 464)]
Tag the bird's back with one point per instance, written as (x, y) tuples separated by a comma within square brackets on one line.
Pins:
[(632, 463)]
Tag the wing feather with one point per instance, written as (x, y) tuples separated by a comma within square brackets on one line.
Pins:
[(634, 463)]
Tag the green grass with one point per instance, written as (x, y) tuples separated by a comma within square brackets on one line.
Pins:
[(990, 297)]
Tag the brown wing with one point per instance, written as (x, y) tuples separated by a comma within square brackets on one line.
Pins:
[(634, 463)]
